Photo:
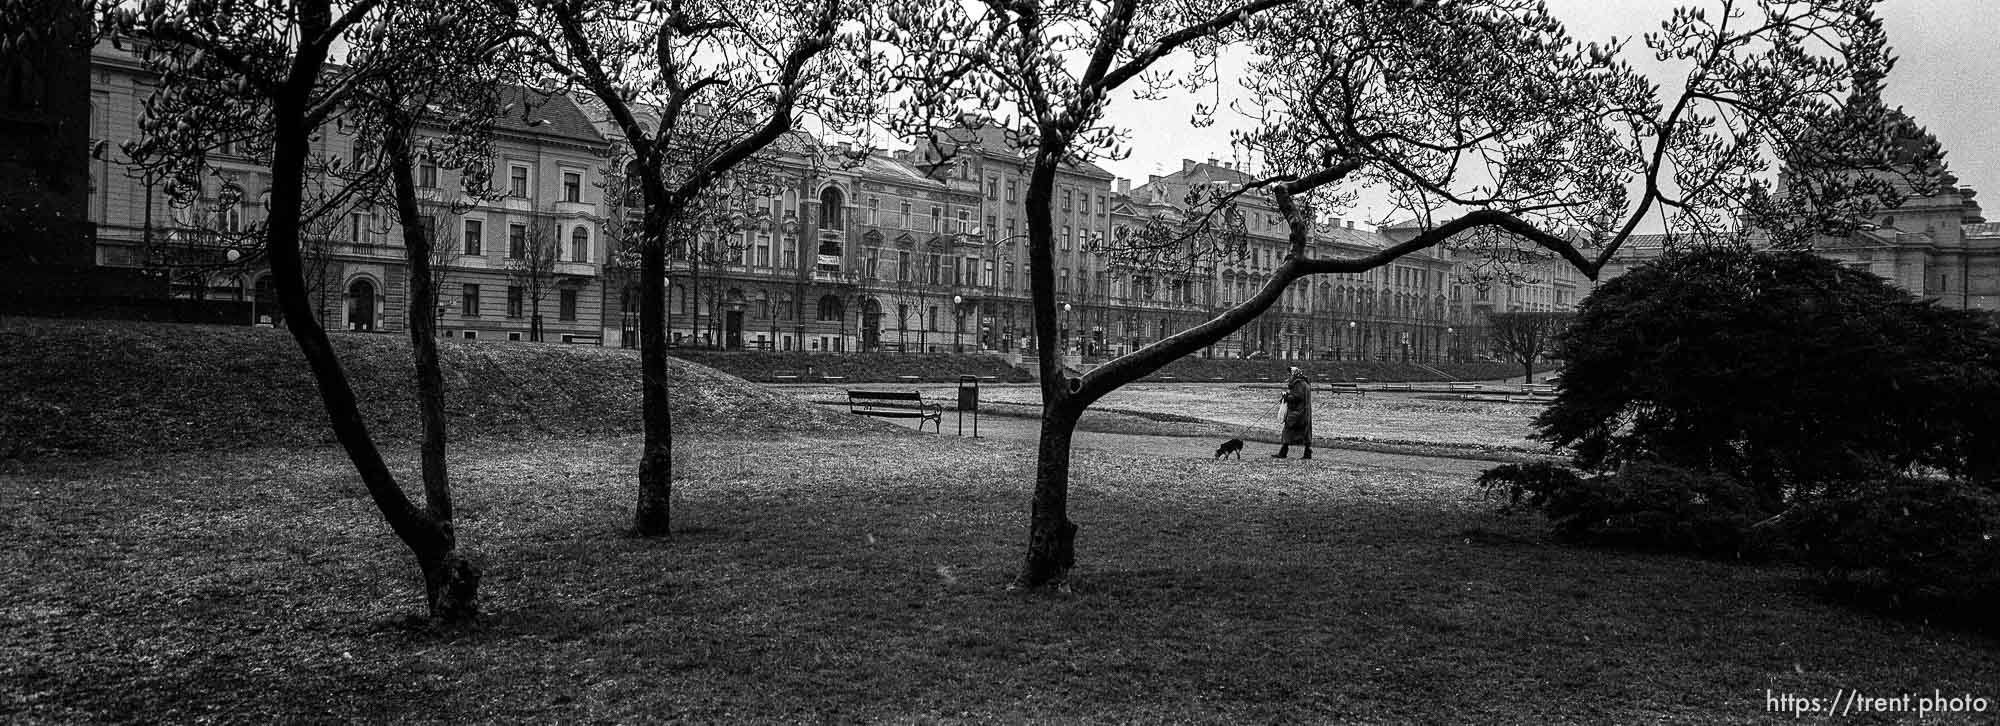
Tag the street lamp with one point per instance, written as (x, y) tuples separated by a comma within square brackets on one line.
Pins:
[(1351, 326), (957, 322), (1065, 329)]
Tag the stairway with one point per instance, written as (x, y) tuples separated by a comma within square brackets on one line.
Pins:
[(1446, 376)]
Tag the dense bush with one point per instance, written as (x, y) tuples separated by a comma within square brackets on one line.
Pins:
[(1929, 546), (1646, 505), (1785, 370)]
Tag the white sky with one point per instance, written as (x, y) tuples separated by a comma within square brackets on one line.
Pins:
[(1944, 77)]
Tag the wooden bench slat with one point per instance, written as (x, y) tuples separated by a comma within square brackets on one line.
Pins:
[(896, 404)]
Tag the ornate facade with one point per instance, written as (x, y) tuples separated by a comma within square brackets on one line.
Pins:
[(923, 249)]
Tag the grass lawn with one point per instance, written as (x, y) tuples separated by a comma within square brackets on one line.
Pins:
[(860, 577)]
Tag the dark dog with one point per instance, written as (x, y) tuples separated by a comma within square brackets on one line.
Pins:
[(1232, 446)]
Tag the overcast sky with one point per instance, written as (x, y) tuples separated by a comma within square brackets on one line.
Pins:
[(1945, 77)]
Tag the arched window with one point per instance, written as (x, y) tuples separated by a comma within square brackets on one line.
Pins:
[(635, 195), (830, 308), (579, 244), (831, 205)]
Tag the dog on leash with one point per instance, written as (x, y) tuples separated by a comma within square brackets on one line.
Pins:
[(1232, 446)]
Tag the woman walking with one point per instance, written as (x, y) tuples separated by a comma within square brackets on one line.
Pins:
[(1298, 416)]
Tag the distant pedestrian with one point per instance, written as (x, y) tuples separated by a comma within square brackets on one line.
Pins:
[(1298, 415)]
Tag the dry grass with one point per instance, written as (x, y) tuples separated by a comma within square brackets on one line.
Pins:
[(108, 388), (830, 568), (861, 578)]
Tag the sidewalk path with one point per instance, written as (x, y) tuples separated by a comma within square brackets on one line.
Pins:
[(1023, 431)]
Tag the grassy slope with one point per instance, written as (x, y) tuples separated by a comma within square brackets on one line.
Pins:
[(811, 581), (101, 388), (833, 570)]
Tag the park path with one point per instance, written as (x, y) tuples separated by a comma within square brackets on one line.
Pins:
[(1024, 430)]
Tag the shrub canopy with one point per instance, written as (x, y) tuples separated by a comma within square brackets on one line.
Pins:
[(1785, 370)]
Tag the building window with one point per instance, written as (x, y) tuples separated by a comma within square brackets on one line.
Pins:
[(579, 244), (572, 186), (791, 253), (517, 301), (1067, 206), (1010, 190), (427, 174), (517, 241), (902, 266), (937, 218), (991, 228), (566, 305), (474, 237), (468, 302), (874, 211), (993, 188), (1063, 243), (763, 255), (517, 180), (1102, 208), (830, 308), (830, 205), (903, 216)]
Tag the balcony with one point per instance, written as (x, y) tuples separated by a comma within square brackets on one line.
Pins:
[(575, 209), (578, 269)]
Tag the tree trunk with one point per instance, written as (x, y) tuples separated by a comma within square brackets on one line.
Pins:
[(653, 516), (451, 587), (1051, 536), (291, 144), (418, 244), (1528, 370)]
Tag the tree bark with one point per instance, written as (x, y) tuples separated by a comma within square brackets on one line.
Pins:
[(290, 146), (1051, 535), (653, 516), (451, 582)]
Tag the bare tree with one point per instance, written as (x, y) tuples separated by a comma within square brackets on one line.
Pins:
[(698, 89), (267, 76), (531, 266), (1473, 114), (1526, 337)]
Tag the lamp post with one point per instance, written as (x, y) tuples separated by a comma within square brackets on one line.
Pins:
[(957, 322), (1065, 329), (1351, 327), (1446, 354)]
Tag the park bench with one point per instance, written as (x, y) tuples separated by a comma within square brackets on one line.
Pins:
[(1354, 388), (896, 404), (785, 376)]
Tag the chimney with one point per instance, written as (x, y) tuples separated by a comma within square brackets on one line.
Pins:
[(1187, 165), (1151, 178), (1350, 224), (1124, 186), (1212, 161)]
